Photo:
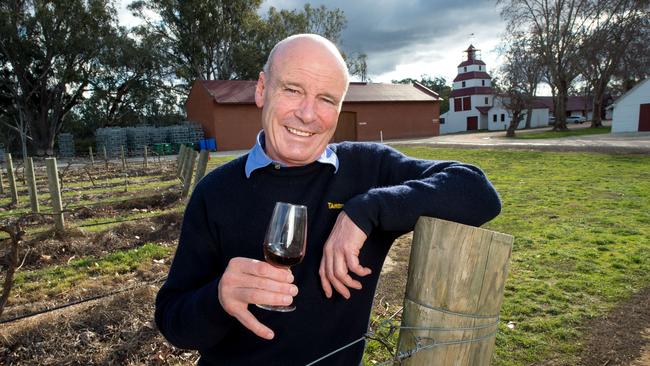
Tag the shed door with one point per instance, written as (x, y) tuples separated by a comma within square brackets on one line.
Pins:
[(346, 129), (644, 117), (472, 123)]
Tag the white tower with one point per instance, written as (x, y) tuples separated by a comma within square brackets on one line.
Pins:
[(471, 97)]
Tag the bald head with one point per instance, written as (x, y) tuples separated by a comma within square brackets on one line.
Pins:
[(313, 42)]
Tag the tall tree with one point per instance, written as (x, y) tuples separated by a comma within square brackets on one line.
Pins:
[(521, 73), (556, 27), (634, 63), (519, 77), (263, 33), (135, 76), (199, 36), (51, 49), (617, 23)]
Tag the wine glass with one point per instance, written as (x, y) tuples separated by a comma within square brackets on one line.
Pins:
[(285, 241)]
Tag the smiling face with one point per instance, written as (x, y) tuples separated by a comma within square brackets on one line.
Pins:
[(301, 98)]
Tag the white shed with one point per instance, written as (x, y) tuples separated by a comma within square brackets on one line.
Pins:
[(632, 109)]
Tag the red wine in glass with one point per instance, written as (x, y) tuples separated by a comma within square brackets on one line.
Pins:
[(285, 241)]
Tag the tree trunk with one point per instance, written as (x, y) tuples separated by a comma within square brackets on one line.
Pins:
[(513, 125), (560, 108), (596, 113), (529, 116)]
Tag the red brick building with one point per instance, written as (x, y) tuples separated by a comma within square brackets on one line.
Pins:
[(226, 109)]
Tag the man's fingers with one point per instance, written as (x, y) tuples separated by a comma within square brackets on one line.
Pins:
[(263, 269), (257, 296), (352, 261), (249, 321), (342, 273), (327, 288)]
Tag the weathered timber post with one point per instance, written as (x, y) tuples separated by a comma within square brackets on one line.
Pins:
[(455, 287), (180, 161), (145, 162), (55, 193), (11, 176), (187, 174), (201, 166), (31, 185), (2, 183), (105, 156), (90, 154), (123, 157)]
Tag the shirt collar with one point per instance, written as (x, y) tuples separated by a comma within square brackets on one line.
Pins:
[(257, 158)]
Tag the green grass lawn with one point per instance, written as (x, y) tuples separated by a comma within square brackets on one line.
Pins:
[(557, 134), (581, 223)]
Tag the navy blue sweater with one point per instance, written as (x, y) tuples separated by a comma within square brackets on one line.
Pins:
[(381, 190)]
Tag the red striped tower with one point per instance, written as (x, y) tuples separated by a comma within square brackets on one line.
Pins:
[(472, 94)]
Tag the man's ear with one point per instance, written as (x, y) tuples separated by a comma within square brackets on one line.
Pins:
[(259, 90)]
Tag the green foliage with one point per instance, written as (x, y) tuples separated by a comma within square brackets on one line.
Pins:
[(50, 52)]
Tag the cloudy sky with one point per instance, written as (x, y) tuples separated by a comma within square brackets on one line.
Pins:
[(408, 38)]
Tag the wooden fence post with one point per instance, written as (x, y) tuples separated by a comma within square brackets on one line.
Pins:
[(453, 295), (145, 162), (123, 156), (90, 154), (201, 166), (11, 176), (31, 185), (2, 183), (55, 193), (189, 169), (180, 161), (105, 156)]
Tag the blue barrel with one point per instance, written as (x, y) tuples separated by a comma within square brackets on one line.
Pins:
[(208, 144)]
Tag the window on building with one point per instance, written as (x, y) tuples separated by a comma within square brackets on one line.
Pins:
[(503, 117), (494, 117), (483, 82), (442, 121), (458, 105), (479, 67), (467, 103), (463, 84), (486, 100), (465, 69)]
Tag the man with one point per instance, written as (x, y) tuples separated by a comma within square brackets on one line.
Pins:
[(360, 197)]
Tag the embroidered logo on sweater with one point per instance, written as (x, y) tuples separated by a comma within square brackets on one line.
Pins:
[(334, 205)]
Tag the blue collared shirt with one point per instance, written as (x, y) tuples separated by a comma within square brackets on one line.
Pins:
[(257, 157)]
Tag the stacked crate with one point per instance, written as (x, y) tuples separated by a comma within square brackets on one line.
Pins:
[(66, 145), (195, 133), (113, 138), (137, 138)]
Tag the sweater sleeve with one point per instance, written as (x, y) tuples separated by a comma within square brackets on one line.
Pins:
[(409, 188), (188, 312)]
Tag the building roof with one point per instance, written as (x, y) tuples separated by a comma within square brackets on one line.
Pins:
[(631, 91), (575, 103), (243, 92), (475, 90), (484, 110), (472, 75)]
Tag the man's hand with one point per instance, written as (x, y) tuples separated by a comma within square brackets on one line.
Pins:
[(340, 256), (248, 281)]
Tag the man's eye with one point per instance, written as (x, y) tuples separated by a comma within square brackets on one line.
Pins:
[(291, 91)]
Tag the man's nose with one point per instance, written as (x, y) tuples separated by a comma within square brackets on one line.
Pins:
[(306, 111)]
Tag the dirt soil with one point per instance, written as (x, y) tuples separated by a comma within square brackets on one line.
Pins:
[(622, 336)]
